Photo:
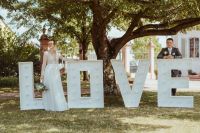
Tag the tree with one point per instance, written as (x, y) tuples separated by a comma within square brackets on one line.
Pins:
[(74, 22), (12, 51), (140, 47), (138, 18), (7, 4)]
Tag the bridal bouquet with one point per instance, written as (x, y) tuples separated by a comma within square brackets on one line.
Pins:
[(62, 68), (40, 87)]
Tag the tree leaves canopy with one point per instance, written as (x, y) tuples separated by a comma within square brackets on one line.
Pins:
[(137, 17)]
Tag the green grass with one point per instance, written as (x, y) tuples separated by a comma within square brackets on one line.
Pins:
[(114, 118)]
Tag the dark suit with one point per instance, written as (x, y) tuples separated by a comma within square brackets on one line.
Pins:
[(176, 54), (164, 52)]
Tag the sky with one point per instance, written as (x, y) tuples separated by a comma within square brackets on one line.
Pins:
[(3, 13), (113, 32), (19, 31)]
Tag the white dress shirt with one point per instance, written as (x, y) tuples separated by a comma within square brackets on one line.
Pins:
[(170, 50)]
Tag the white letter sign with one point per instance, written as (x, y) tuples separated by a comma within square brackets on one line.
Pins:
[(96, 99), (166, 83), (131, 96), (27, 97)]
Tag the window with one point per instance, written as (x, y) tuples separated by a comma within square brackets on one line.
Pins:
[(194, 47)]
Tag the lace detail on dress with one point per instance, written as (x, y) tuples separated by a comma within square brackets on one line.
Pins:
[(49, 58)]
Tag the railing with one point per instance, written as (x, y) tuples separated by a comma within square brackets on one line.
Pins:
[(143, 55)]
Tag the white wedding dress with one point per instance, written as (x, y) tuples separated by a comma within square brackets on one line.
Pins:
[(53, 98)]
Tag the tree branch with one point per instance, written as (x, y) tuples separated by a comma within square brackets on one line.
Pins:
[(160, 29), (109, 16), (175, 25), (134, 23)]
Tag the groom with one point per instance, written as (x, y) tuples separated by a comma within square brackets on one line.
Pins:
[(170, 52)]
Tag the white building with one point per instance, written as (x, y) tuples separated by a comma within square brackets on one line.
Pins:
[(188, 43)]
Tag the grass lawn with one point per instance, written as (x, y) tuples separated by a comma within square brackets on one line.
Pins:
[(114, 118)]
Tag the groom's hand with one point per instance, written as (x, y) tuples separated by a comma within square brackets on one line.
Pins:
[(168, 57), (165, 57)]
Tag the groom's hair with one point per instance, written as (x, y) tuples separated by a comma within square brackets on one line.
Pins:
[(170, 39)]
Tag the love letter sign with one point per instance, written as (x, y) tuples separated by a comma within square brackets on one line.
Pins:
[(131, 95)]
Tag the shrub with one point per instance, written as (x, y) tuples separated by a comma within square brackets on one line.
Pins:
[(9, 82)]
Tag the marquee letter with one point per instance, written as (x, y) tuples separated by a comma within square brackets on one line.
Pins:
[(96, 99), (166, 83), (131, 96), (26, 87)]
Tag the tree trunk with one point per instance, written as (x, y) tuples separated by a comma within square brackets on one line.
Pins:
[(103, 48), (85, 74), (110, 86), (82, 52)]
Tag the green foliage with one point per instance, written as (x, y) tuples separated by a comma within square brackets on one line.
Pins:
[(8, 4), (75, 18), (140, 47), (12, 51), (69, 48), (69, 20), (9, 82), (153, 11)]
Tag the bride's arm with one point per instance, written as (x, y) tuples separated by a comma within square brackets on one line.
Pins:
[(44, 63)]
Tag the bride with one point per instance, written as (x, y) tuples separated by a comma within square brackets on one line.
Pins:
[(53, 98)]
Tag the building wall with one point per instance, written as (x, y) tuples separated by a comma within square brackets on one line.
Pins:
[(182, 41)]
